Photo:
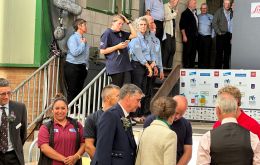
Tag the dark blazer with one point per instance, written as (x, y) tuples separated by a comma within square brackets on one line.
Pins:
[(188, 23), (115, 145), (18, 128)]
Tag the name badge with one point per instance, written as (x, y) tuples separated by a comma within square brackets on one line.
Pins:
[(55, 130), (72, 130), (18, 126)]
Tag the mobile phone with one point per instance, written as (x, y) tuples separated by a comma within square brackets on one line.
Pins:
[(127, 41)]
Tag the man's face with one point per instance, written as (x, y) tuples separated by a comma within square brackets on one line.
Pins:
[(204, 9), (117, 25), (178, 113), (192, 4), (5, 94), (226, 4), (114, 97), (134, 102)]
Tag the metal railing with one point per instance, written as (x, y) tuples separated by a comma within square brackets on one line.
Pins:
[(88, 101), (37, 91)]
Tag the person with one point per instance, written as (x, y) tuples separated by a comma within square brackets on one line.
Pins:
[(222, 26), (13, 127), (182, 128), (242, 118), (76, 65), (155, 9), (189, 30), (206, 33), (143, 63), (229, 143), (115, 139), (110, 96), (113, 44), (158, 144), (169, 40), (61, 139)]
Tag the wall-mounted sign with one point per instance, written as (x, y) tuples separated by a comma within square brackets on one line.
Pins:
[(255, 9)]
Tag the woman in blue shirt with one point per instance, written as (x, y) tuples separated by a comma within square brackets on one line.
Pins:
[(76, 65)]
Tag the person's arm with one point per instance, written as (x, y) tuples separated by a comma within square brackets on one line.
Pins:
[(23, 133), (73, 46), (203, 153), (215, 22), (111, 49), (132, 31), (148, 6), (185, 158), (255, 144), (90, 148), (51, 153), (170, 147), (182, 27), (70, 160), (168, 15)]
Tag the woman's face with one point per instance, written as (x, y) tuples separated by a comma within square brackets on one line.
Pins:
[(60, 110), (117, 25), (142, 26)]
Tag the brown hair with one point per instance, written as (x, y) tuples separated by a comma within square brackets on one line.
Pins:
[(164, 107), (59, 97), (78, 22)]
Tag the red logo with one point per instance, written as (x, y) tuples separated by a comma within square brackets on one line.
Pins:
[(253, 74), (183, 73), (216, 73), (256, 10), (192, 101)]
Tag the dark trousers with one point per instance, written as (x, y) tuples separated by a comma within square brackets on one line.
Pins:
[(120, 79), (159, 29), (9, 158), (75, 75), (204, 51), (189, 52), (169, 48), (223, 46)]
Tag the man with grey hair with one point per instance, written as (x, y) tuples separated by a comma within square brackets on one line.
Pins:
[(115, 139), (229, 143), (13, 127), (110, 96)]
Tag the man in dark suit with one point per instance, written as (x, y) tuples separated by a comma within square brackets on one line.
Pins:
[(115, 139), (189, 30), (13, 120)]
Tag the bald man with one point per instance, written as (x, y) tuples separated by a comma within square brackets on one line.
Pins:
[(182, 128)]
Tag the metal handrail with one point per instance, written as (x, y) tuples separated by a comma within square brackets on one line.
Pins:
[(38, 89)]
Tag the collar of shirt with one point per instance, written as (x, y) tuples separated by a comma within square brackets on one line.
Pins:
[(229, 120), (125, 113)]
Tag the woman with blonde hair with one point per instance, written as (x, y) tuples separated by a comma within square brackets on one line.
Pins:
[(158, 143)]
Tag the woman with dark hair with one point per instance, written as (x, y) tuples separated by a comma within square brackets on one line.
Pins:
[(61, 139), (158, 143)]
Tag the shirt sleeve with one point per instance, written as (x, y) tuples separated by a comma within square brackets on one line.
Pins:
[(203, 154), (81, 132), (216, 124), (104, 40), (90, 128), (43, 136), (255, 144), (148, 4), (188, 138), (75, 47)]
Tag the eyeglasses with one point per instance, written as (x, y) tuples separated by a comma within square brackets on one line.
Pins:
[(2, 94)]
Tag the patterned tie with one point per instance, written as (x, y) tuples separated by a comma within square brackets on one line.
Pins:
[(3, 131)]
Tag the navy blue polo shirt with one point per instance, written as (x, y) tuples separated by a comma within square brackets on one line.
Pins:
[(117, 61)]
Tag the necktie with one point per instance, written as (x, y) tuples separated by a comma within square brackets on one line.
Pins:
[(3, 131)]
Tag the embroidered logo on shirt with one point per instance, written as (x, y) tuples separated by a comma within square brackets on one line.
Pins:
[(55, 130), (72, 130)]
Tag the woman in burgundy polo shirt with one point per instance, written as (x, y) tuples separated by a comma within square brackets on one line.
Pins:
[(61, 139)]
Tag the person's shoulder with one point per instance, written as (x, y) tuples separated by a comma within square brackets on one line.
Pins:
[(16, 103), (107, 31)]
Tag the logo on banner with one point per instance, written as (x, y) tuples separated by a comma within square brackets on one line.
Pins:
[(205, 74), (204, 83), (183, 73), (216, 73), (216, 85), (241, 84), (253, 74), (214, 98), (226, 81), (252, 86), (252, 100), (193, 82), (255, 10), (240, 75), (227, 74), (182, 84), (192, 73)]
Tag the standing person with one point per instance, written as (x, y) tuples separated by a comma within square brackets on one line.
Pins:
[(13, 127), (113, 44), (182, 128), (189, 30), (155, 9), (158, 143), (115, 140), (143, 63), (206, 33), (76, 65), (229, 143), (110, 96), (222, 26), (169, 40), (61, 139), (242, 118)]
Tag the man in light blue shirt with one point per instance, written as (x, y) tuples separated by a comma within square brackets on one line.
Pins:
[(206, 33), (155, 9), (76, 65)]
